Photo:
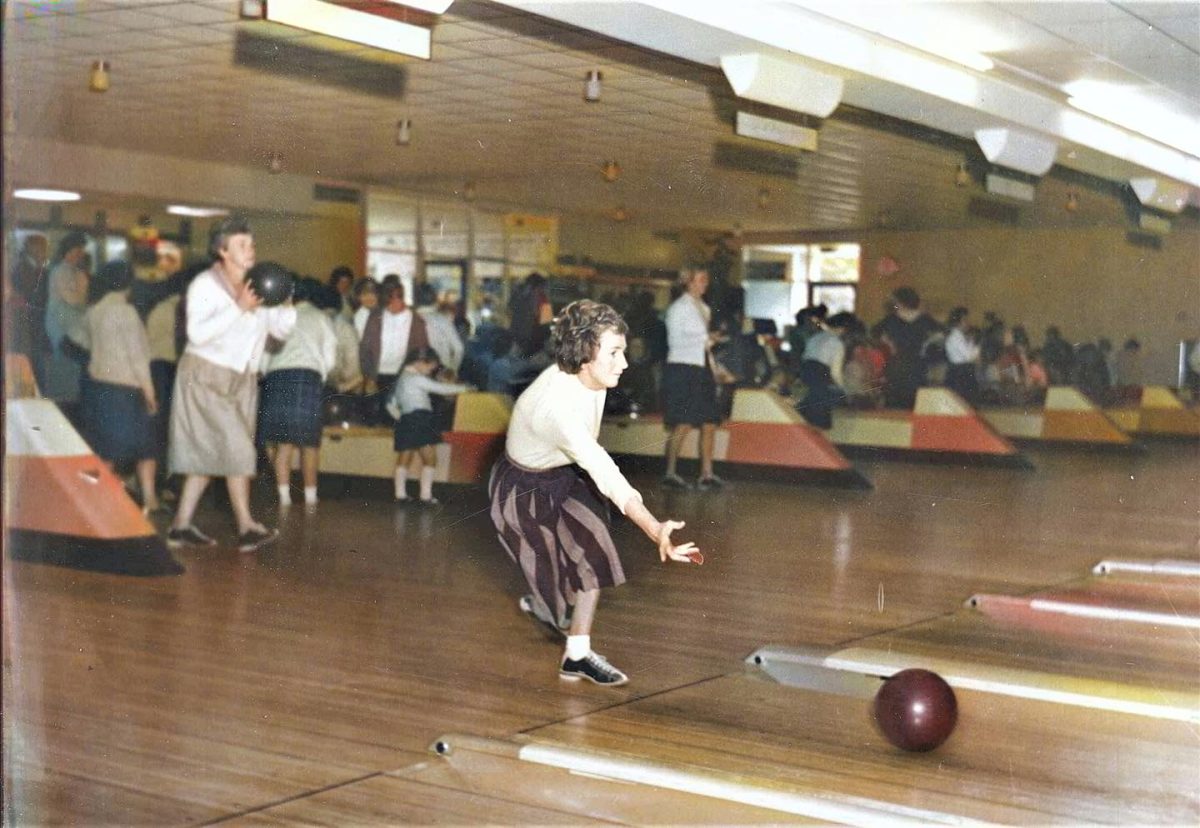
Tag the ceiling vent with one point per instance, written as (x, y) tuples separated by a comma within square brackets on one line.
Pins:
[(777, 132), (1013, 188), (752, 159)]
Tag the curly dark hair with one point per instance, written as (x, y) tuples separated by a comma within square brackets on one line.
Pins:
[(578, 329)]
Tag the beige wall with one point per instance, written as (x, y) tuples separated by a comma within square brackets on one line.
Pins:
[(1090, 282), (604, 241)]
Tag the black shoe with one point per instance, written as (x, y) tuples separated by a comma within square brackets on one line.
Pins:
[(527, 606), (253, 539), (429, 501), (710, 482), (594, 668), (674, 481), (188, 536)]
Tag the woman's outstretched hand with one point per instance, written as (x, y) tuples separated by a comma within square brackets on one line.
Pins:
[(684, 552)]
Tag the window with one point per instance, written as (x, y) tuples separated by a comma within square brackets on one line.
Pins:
[(782, 279)]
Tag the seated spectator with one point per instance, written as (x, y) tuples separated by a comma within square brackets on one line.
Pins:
[(1128, 364), (507, 364), (821, 371)]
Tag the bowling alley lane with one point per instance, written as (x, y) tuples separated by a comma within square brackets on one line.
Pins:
[(1009, 760)]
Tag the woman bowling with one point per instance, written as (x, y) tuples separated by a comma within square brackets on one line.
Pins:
[(546, 490)]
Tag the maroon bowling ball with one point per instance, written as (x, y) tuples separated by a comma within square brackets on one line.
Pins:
[(272, 282), (916, 710)]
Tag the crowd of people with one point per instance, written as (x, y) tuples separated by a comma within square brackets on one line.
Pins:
[(176, 375), (157, 372)]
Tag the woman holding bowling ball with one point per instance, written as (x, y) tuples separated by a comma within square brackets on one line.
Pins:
[(216, 386), (546, 489)]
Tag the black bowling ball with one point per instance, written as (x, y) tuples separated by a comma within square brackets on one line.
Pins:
[(272, 282), (340, 409)]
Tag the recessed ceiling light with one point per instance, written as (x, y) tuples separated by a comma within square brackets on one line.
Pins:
[(35, 194), (196, 212)]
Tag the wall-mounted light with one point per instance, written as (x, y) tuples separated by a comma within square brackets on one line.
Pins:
[(592, 86), (610, 171), (196, 212), (98, 77), (620, 214), (962, 177), (764, 198), (1072, 204), (468, 192), (275, 163), (40, 194), (403, 132)]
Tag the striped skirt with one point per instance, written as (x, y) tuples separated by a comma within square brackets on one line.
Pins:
[(555, 526)]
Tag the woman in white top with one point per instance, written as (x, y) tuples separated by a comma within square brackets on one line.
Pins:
[(289, 412), (119, 401), (546, 490), (962, 356), (216, 386), (65, 306), (689, 390)]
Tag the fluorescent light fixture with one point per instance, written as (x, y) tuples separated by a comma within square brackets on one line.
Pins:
[(345, 24), (908, 24), (783, 83), (1017, 150), (37, 194), (196, 212), (1126, 107), (1161, 193)]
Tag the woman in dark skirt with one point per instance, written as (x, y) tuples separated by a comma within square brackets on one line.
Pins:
[(290, 404), (119, 401), (417, 434), (548, 491)]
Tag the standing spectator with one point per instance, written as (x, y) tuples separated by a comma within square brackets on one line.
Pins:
[(443, 336), (341, 279), (689, 389), (29, 273), (65, 306), (292, 392), (962, 356), (530, 314), (905, 330), (416, 435), (25, 317), (119, 401), (216, 385), (388, 333)]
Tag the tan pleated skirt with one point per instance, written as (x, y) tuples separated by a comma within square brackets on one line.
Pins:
[(212, 420)]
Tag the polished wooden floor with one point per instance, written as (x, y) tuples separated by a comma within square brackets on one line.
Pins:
[(303, 683)]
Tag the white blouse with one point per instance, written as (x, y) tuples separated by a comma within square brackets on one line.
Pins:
[(224, 334), (556, 423)]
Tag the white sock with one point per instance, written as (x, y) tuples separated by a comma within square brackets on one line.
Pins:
[(285, 495), (401, 482), (578, 646), (427, 483), (310, 494)]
